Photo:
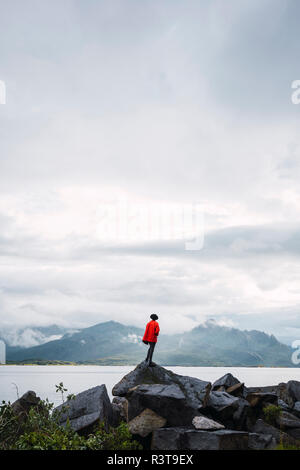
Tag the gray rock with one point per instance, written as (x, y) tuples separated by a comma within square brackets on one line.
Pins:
[(261, 399), (294, 433), (280, 390), (120, 404), (286, 420), (228, 380), (242, 415), (261, 441), (261, 427), (220, 389), (27, 401), (117, 418), (223, 402), (236, 390), (179, 438), (293, 389), (167, 401), (297, 406), (196, 391), (216, 440), (163, 391), (229, 410), (146, 422), (88, 408), (296, 409), (206, 424), (283, 405), (267, 389), (175, 397), (167, 438)]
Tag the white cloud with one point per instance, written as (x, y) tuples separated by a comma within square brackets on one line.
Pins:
[(27, 337), (156, 103), (131, 338)]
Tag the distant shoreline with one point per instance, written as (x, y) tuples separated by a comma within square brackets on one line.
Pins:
[(134, 365)]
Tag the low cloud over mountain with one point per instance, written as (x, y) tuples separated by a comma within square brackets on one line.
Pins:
[(208, 344)]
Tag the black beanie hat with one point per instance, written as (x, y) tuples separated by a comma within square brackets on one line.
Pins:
[(154, 317)]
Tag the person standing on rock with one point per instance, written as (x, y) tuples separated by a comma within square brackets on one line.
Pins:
[(150, 337)]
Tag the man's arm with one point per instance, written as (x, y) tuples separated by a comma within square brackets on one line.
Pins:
[(146, 330)]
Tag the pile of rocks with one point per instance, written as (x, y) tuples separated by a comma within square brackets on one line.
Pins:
[(167, 411)]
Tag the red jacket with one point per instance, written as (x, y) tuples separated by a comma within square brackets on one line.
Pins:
[(151, 332)]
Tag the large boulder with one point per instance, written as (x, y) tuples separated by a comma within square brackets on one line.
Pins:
[(178, 438), (146, 422), (88, 408), (168, 401), (196, 391), (176, 398)]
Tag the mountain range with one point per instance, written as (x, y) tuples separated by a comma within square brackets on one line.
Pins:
[(208, 344)]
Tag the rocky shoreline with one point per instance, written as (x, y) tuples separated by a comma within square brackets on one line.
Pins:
[(167, 411)]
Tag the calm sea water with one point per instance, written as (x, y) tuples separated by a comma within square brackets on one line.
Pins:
[(16, 380)]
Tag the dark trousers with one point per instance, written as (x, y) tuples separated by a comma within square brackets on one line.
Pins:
[(150, 352)]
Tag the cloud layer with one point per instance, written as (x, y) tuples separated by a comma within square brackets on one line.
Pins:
[(160, 104)]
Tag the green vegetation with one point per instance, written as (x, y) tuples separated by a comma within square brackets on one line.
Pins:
[(39, 429), (283, 446), (272, 414)]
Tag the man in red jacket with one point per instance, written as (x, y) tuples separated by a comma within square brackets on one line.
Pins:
[(150, 337)]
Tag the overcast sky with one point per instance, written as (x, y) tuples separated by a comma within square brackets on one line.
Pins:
[(151, 104)]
